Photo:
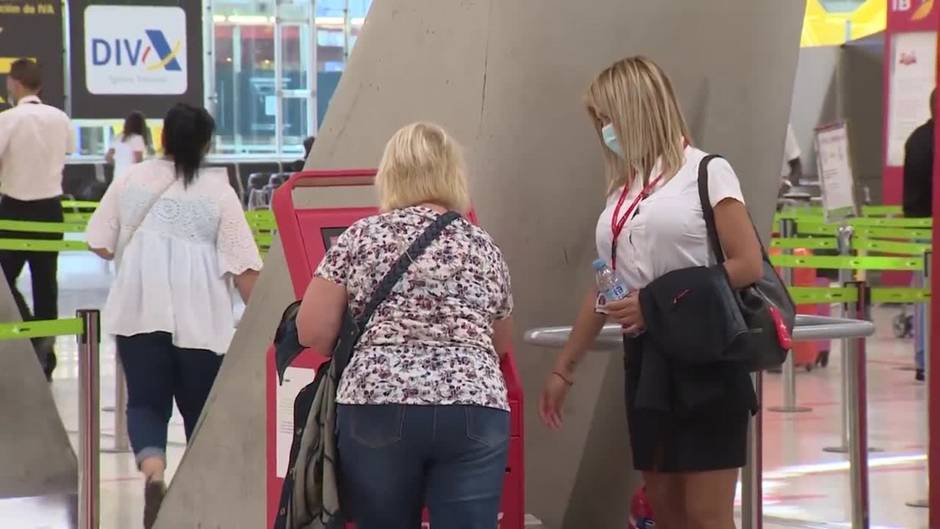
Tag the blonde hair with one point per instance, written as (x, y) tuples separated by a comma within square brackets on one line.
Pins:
[(637, 98), (422, 163)]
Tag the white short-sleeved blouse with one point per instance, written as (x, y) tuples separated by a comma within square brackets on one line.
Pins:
[(667, 229), (175, 274), (124, 151)]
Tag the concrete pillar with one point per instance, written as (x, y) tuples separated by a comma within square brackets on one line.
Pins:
[(506, 78), (36, 457)]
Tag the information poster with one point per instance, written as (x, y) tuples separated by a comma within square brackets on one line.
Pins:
[(295, 379), (913, 76), (21, 24), (835, 172), (128, 56)]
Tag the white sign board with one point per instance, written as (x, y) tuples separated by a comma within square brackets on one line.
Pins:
[(835, 172), (913, 76), (135, 50), (295, 379)]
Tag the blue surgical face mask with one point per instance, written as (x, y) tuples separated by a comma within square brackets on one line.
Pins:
[(610, 139)]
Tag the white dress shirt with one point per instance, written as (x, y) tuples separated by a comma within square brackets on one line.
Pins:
[(34, 141), (667, 231), (177, 249)]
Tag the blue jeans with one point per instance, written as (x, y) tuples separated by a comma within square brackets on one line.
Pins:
[(396, 459), (157, 372)]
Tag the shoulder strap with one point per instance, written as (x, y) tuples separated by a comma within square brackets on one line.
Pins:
[(147, 211), (707, 210), (432, 232)]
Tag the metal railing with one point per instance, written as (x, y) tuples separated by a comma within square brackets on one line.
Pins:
[(807, 328)]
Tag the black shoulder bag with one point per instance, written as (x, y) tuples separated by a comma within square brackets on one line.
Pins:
[(307, 454), (766, 306)]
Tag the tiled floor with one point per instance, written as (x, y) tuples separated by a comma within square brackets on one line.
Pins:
[(804, 486)]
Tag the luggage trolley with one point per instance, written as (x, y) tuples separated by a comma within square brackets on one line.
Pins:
[(306, 234)]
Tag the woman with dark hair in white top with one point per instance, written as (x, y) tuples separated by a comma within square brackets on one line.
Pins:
[(182, 247), (132, 145)]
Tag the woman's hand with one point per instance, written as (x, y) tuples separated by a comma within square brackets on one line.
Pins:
[(627, 312), (552, 400)]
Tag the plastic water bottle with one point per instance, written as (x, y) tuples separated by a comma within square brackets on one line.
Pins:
[(609, 286)]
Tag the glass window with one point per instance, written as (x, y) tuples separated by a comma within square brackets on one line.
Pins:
[(245, 99), (254, 41), (296, 77)]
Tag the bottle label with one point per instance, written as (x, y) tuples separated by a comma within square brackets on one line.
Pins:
[(616, 292)]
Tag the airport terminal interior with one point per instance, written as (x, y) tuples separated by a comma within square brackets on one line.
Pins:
[(304, 95)]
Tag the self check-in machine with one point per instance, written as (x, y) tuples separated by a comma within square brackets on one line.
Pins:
[(340, 198)]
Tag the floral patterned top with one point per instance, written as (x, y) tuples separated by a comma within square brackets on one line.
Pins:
[(430, 342)]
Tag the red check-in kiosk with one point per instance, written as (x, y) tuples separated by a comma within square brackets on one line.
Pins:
[(306, 234)]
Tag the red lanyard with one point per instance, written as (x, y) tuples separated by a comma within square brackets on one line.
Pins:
[(617, 222)]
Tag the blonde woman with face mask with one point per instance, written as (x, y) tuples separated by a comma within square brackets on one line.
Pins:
[(653, 224)]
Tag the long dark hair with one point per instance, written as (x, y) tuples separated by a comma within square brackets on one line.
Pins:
[(186, 134), (134, 123)]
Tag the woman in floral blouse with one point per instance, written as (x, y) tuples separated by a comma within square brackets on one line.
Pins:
[(423, 415)]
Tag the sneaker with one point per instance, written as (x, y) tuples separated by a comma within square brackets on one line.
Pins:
[(154, 492), (919, 375)]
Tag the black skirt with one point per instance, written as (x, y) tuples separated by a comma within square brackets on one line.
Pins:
[(714, 437)]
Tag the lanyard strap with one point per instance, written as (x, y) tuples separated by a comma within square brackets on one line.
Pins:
[(618, 221)]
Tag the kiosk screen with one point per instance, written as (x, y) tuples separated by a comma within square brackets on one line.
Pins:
[(330, 235)]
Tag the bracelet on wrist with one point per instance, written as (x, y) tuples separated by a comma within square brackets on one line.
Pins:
[(563, 378)]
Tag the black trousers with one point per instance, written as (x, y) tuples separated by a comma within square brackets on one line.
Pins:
[(43, 266)]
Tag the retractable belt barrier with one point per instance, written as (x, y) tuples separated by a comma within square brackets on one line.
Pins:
[(867, 211), (860, 222), (848, 262), (261, 223), (86, 327), (827, 295), (859, 243)]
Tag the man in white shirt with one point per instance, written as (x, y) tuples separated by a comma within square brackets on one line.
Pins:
[(34, 141)]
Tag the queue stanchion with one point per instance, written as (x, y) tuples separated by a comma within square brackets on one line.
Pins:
[(854, 362), (923, 503), (89, 424), (844, 241), (788, 230), (752, 484)]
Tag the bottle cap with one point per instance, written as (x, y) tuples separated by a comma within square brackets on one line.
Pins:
[(599, 264)]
